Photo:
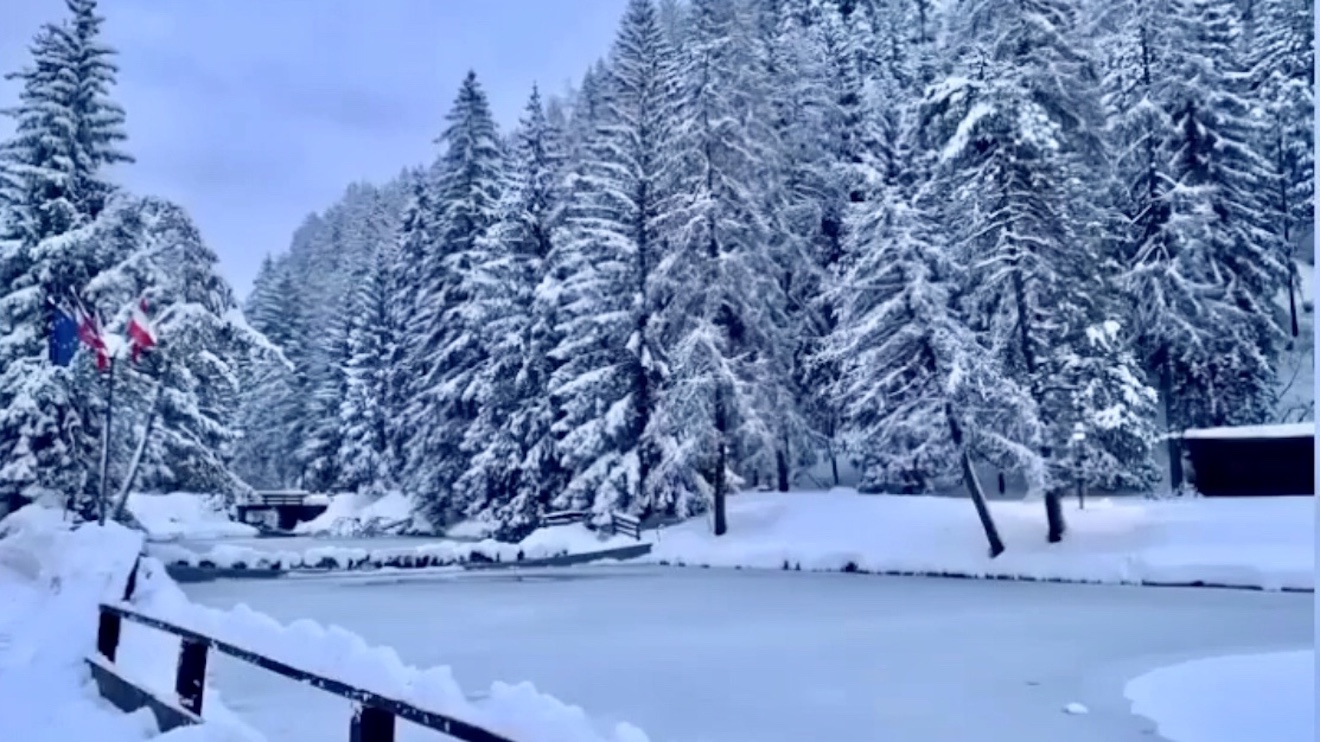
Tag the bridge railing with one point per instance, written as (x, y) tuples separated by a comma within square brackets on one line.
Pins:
[(373, 718)]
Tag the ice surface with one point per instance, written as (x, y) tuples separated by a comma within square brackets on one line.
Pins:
[(694, 655), (1266, 542), (1231, 699)]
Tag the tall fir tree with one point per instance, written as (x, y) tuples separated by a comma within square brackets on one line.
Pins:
[(52, 187), (366, 462), (450, 351), (613, 366), (515, 452)]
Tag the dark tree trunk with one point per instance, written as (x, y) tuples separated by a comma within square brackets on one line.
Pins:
[(721, 494), (1173, 440), (1054, 516), (781, 471), (721, 463), (974, 486)]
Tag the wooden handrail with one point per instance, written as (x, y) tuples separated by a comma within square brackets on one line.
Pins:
[(373, 720)]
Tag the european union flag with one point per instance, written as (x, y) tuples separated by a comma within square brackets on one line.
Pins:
[(63, 336)]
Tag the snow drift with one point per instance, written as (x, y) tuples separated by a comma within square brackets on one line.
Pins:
[(185, 515)]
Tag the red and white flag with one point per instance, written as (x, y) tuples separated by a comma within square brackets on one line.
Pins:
[(141, 335), (89, 332)]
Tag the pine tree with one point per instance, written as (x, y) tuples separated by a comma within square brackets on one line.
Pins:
[(1203, 291), (1279, 48), (923, 395), (269, 405), (1022, 132), (613, 366), (450, 353), (202, 339), (722, 306), (51, 189), (366, 462), (515, 459)]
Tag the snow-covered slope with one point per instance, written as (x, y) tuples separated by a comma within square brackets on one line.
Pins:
[(1254, 542)]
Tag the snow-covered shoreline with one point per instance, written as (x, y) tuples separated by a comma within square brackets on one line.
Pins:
[(1259, 543)]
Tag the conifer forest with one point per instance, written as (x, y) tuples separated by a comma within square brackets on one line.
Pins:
[(775, 244)]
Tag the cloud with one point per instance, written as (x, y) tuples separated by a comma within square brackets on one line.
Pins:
[(252, 113)]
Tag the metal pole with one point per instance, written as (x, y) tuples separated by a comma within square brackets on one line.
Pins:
[(105, 441)]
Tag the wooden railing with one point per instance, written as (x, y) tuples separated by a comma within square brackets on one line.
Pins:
[(620, 523), (373, 719), (626, 525)]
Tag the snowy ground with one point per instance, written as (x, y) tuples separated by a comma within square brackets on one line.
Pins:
[(1252, 542), (1231, 699), (185, 515), (50, 583), (761, 656)]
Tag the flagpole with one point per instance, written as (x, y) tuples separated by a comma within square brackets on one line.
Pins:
[(105, 439)]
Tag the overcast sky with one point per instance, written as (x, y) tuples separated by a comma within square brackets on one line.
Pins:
[(254, 113)]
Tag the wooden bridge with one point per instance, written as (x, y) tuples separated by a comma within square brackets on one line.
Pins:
[(281, 509)]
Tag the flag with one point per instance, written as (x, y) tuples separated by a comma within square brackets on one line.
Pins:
[(89, 332), (141, 335), (63, 335)]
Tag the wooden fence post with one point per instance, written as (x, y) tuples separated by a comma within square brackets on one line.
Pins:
[(371, 724), (191, 678), (107, 634)]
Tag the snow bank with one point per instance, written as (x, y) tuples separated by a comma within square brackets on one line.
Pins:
[(185, 515), (361, 515), (1231, 699), (1256, 543), (52, 578), (544, 543)]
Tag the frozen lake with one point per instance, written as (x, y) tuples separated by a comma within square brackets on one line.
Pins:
[(726, 656)]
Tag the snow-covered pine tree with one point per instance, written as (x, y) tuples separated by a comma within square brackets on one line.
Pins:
[(1019, 133), (269, 405), (99, 121), (416, 234), (923, 396), (366, 462), (51, 185), (722, 309), (445, 398), (612, 366), (515, 460), (1114, 413), (1278, 44), (1203, 292)]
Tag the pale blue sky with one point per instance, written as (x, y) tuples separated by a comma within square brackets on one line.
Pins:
[(253, 113)]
